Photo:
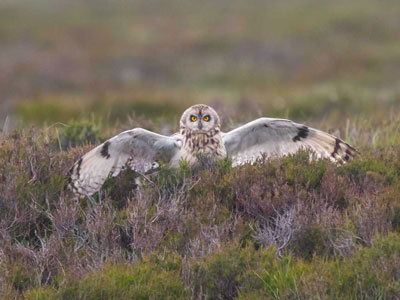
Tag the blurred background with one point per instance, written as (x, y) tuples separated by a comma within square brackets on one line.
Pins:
[(116, 62)]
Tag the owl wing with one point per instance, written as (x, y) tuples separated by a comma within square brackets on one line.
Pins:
[(278, 137), (138, 148)]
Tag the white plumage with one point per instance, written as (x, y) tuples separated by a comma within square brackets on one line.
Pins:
[(200, 132), (279, 137)]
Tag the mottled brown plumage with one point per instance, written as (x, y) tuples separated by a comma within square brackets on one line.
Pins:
[(201, 137)]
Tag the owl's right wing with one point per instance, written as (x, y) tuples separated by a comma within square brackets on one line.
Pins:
[(138, 148), (279, 137)]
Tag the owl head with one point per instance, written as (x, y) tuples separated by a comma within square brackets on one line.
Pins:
[(200, 118)]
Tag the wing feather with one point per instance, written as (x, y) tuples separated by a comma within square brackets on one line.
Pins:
[(279, 137), (138, 148)]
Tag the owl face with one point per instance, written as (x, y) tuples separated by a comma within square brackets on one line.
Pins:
[(200, 118)]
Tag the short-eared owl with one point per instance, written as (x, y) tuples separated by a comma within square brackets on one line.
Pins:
[(199, 133)]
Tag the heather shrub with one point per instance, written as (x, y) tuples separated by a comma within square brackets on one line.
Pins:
[(258, 191), (261, 230), (372, 273), (120, 188), (218, 276), (248, 273), (302, 168), (149, 279), (42, 293), (272, 278), (311, 241), (145, 280), (380, 167), (20, 277), (394, 208)]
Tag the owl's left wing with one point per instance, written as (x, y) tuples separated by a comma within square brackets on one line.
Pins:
[(279, 137), (137, 148)]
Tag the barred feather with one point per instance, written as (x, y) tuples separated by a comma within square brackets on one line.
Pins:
[(138, 149), (279, 137)]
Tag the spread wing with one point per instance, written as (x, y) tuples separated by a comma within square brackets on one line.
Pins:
[(278, 137), (138, 148)]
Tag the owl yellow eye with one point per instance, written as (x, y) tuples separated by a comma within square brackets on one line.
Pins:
[(206, 118), (193, 118)]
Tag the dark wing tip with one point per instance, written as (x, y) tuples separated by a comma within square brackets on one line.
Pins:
[(343, 150), (337, 148), (72, 177)]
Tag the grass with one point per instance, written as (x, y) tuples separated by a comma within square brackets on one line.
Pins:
[(75, 74), (111, 60)]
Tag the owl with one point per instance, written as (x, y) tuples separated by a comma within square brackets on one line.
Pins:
[(200, 133)]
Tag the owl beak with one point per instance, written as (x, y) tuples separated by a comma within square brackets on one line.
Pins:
[(200, 125)]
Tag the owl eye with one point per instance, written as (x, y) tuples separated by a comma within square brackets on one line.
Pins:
[(193, 118), (206, 118)]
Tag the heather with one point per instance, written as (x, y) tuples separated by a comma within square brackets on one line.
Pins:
[(73, 75), (279, 228)]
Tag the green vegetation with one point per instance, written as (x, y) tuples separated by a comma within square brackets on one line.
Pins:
[(273, 230), (75, 73)]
